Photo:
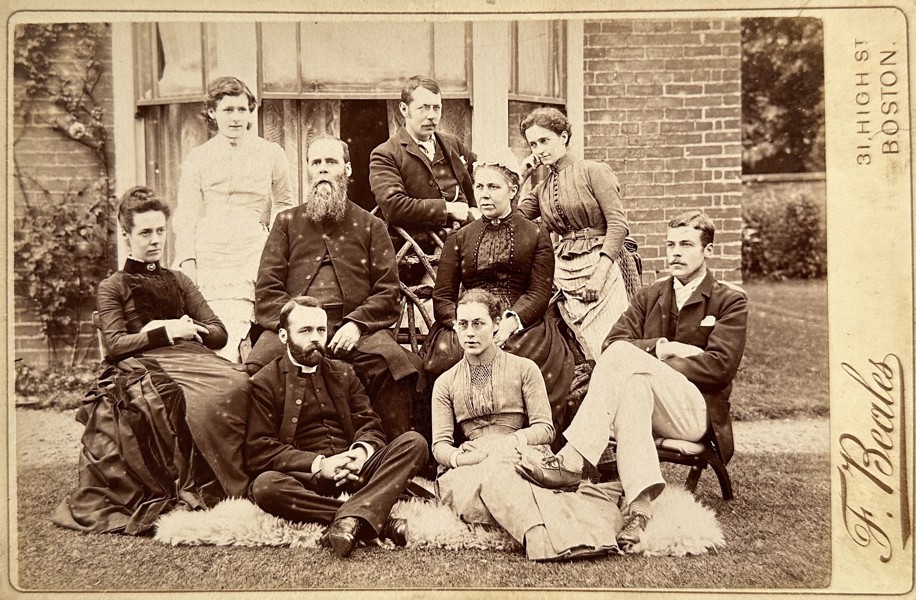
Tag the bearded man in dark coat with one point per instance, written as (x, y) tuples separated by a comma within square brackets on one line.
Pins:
[(335, 251)]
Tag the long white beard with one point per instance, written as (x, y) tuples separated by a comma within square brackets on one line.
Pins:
[(327, 201)]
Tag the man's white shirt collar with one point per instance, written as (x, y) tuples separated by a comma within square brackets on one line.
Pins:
[(428, 147), (683, 291)]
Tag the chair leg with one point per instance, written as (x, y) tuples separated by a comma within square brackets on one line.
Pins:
[(693, 477), (725, 481)]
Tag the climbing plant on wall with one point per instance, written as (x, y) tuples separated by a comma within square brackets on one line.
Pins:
[(63, 240)]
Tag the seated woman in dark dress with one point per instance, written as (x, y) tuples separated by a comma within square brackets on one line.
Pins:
[(165, 423), (512, 258)]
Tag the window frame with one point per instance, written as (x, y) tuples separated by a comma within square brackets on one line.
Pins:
[(557, 48)]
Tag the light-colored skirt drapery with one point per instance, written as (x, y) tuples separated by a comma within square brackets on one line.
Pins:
[(492, 493), (229, 245), (590, 321)]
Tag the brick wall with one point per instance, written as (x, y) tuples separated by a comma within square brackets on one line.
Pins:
[(48, 160), (663, 109)]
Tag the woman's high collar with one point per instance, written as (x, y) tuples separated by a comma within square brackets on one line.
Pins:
[(563, 162), (498, 220), (136, 266)]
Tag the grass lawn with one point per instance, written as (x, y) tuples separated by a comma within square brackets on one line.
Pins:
[(777, 533), (783, 374), (777, 530)]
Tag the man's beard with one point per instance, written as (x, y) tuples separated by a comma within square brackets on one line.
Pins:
[(327, 200), (309, 355)]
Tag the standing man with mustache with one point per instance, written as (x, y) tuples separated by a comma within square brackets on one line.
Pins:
[(420, 176), (312, 435), (666, 370), (332, 249)]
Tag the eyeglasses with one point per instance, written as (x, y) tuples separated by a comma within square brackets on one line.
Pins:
[(476, 325)]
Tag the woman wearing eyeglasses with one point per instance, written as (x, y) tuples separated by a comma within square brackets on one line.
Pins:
[(497, 404)]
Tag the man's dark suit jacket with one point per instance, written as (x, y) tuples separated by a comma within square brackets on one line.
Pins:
[(713, 319), (270, 433), (361, 254), (403, 182)]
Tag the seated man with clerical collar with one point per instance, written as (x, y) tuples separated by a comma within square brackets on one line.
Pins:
[(312, 435)]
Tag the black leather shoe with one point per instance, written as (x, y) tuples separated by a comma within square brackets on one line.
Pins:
[(396, 531), (342, 536), (547, 471), (633, 529)]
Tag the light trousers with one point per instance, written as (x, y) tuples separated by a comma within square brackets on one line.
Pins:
[(633, 397)]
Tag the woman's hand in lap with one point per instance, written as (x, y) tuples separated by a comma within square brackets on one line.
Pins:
[(506, 328), (470, 457), (185, 329), (503, 448)]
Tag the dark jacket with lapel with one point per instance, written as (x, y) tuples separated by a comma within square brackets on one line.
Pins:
[(270, 429), (403, 182), (714, 319), (361, 254)]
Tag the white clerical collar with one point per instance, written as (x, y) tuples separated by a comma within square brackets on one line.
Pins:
[(304, 368), (683, 291)]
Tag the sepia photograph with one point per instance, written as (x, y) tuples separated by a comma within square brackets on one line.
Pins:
[(476, 301)]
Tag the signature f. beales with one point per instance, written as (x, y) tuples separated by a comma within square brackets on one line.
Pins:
[(877, 464)]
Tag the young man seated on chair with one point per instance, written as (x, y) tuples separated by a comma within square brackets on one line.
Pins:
[(666, 371)]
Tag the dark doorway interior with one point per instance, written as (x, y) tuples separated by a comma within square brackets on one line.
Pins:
[(363, 125)]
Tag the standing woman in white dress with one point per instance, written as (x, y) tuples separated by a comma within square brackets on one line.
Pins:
[(232, 187)]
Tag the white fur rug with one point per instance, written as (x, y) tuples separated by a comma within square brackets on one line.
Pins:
[(680, 526)]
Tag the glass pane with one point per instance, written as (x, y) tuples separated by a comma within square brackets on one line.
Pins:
[(451, 46), (534, 58), (559, 79), (232, 51), (362, 56), (145, 54), (278, 45), (182, 68)]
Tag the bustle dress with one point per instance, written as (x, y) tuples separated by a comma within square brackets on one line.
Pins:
[(165, 421)]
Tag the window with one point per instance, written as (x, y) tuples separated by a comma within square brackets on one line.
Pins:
[(174, 61), (538, 77), (538, 62), (360, 60)]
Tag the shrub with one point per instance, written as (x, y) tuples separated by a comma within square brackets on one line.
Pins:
[(783, 238), (58, 387)]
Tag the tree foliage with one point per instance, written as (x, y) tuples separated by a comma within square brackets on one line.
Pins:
[(782, 95)]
